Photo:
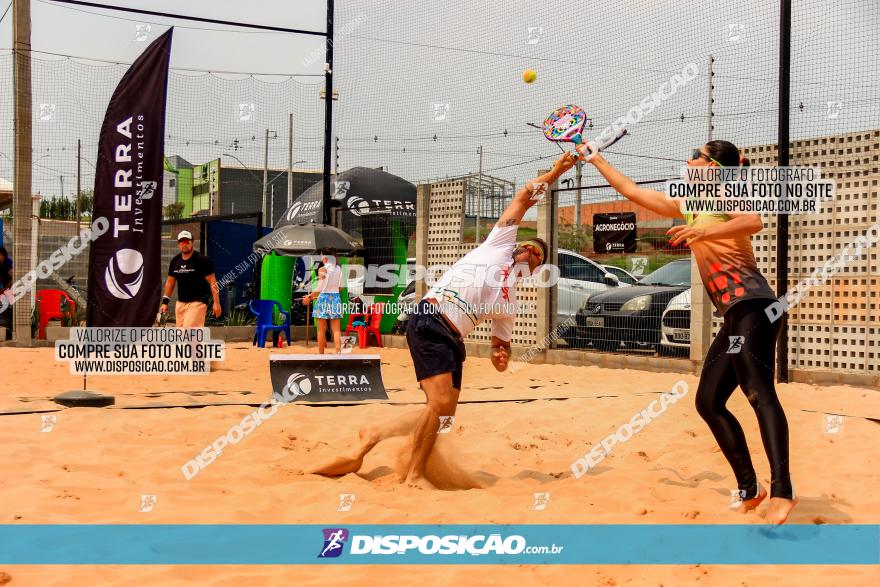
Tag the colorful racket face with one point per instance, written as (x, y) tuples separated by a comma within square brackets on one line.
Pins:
[(565, 124)]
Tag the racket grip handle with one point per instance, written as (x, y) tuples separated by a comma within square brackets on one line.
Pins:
[(600, 143)]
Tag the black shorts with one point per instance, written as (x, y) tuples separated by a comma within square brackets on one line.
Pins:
[(434, 346)]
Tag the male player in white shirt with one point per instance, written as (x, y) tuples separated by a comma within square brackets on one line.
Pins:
[(480, 286)]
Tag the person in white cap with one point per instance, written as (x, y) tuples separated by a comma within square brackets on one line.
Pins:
[(194, 274)]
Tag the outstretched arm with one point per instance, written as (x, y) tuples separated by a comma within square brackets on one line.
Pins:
[(524, 198), (652, 200), (739, 225)]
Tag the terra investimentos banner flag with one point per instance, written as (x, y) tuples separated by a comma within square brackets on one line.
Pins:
[(124, 262)]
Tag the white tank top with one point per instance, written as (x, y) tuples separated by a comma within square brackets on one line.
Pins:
[(332, 279), (482, 286)]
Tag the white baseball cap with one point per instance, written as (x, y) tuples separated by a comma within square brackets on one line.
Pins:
[(184, 234)]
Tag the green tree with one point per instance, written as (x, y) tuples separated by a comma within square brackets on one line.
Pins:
[(56, 208), (86, 202), (576, 238), (173, 211)]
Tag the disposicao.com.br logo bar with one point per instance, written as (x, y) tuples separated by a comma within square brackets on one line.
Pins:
[(434, 543), (581, 544)]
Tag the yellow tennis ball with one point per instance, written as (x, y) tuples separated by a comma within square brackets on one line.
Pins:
[(529, 76)]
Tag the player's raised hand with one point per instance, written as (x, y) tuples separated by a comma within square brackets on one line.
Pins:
[(686, 234), (564, 163), (500, 358), (588, 153)]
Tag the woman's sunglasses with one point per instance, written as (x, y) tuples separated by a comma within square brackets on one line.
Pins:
[(698, 154)]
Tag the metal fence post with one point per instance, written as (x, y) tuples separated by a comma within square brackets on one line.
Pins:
[(546, 310), (423, 219)]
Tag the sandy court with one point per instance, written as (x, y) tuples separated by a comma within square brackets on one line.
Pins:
[(95, 464)]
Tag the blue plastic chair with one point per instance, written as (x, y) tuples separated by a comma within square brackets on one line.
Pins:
[(264, 311)]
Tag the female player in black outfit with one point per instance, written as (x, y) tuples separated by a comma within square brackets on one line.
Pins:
[(743, 353)]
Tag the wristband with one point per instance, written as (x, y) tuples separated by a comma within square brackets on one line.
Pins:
[(166, 300)]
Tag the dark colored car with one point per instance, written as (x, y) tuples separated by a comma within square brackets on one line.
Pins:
[(631, 315)]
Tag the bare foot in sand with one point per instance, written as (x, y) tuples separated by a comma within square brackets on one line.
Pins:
[(345, 465), (778, 510), (750, 504), (417, 482), (338, 466)]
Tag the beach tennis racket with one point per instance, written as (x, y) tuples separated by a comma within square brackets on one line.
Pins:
[(566, 125)]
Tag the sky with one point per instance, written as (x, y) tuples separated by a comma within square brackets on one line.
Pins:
[(408, 72), (76, 30)]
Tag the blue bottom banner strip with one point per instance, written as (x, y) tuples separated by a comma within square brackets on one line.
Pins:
[(539, 544)]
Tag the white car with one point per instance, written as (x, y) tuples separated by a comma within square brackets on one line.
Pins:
[(675, 325), (579, 278), (622, 274)]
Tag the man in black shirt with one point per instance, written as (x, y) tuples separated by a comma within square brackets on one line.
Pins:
[(194, 274), (5, 292)]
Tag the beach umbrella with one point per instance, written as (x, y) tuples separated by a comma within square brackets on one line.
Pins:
[(357, 192), (306, 239)]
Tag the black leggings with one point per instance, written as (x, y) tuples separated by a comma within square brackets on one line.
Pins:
[(751, 366)]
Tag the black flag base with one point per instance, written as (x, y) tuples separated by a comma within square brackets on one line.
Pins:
[(84, 399)]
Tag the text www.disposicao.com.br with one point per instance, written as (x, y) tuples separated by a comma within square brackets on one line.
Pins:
[(160, 366)]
